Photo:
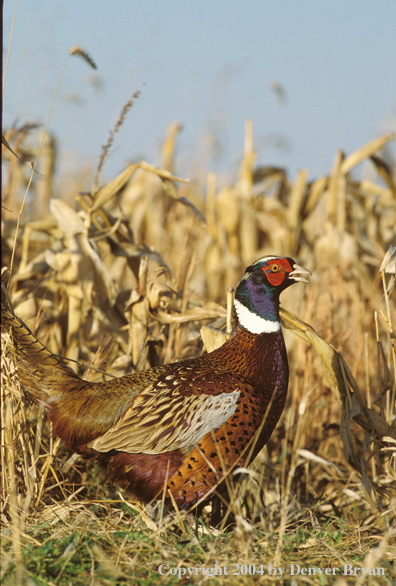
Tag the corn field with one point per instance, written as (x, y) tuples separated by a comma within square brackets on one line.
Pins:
[(138, 272)]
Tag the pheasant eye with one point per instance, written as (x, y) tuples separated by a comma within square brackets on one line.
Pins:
[(275, 268)]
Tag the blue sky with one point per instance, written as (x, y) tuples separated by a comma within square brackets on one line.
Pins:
[(209, 64)]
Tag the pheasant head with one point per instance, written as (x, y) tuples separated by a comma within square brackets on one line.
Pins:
[(256, 305)]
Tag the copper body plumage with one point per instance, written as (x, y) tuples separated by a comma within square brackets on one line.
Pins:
[(184, 425)]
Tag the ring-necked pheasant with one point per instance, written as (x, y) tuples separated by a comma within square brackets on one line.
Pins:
[(185, 424)]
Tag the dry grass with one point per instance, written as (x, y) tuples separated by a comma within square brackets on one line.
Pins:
[(125, 279)]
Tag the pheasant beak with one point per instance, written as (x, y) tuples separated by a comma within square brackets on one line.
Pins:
[(297, 271)]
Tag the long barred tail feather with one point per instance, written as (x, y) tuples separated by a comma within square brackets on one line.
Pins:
[(41, 372)]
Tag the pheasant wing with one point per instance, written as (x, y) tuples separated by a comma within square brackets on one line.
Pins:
[(163, 419)]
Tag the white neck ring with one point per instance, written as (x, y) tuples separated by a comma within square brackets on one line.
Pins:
[(253, 322)]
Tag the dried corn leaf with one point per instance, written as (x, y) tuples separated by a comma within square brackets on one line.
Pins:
[(384, 171), (67, 219), (327, 353), (196, 314), (159, 294), (170, 190), (388, 264), (189, 204), (375, 189), (364, 152), (354, 407), (28, 165), (102, 279), (350, 449), (213, 335), (81, 261), (109, 190), (266, 172), (161, 172), (130, 250), (339, 377)]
